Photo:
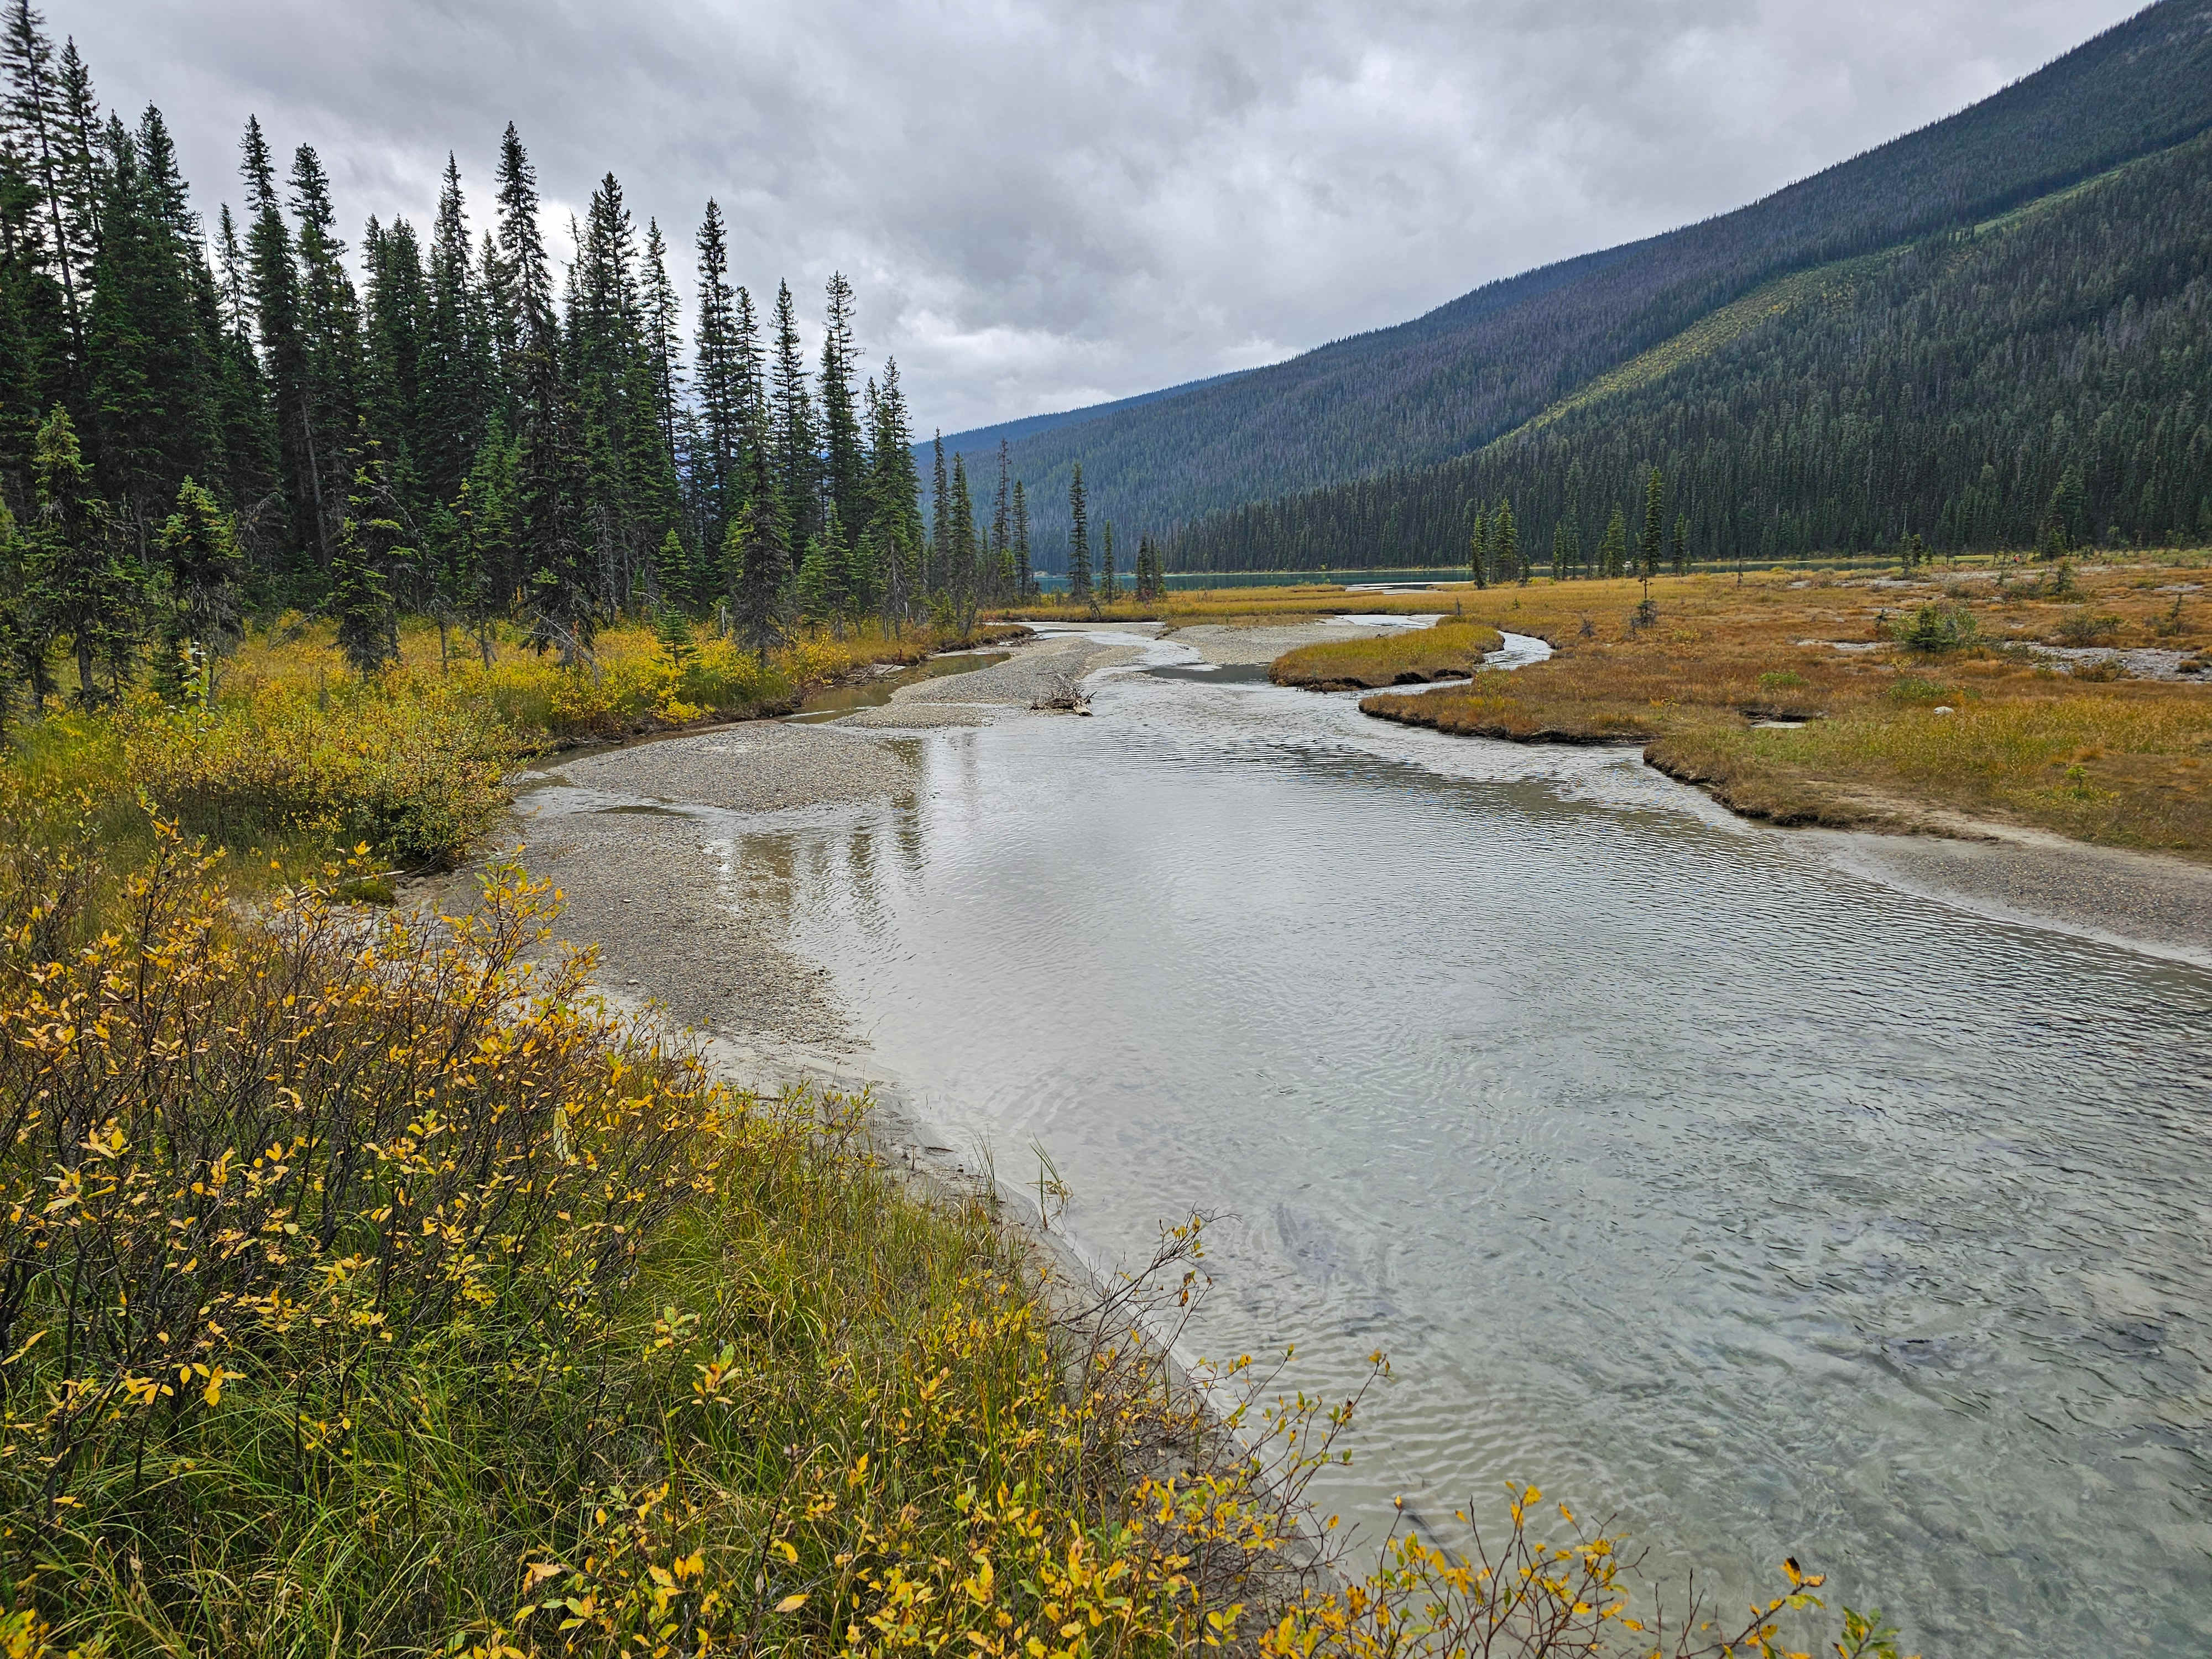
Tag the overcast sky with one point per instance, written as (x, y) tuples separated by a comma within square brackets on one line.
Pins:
[(1046, 204)]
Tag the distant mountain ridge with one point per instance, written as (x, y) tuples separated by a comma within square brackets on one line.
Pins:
[(1445, 383)]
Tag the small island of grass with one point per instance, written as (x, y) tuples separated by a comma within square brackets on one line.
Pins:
[(1450, 649)]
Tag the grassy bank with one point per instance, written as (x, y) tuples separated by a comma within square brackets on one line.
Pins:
[(1411, 656), (1857, 703), (293, 756)]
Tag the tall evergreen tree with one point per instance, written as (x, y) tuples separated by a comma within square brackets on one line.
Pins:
[(664, 338), (149, 364), (522, 245), (482, 576), (894, 533), (329, 335), (198, 547), (1025, 572), (793, 437), (1652, 542), (1079, 540), (1506, 545), (843, 460), (1109, 589), (76, 585), (962, 577), (244, 420), (456, 357), (1002, 552), (1613, 547), (277, 319), (1478, 548), (371, 569), (37, 107), (758, 554), (395, 397), (721, 388), (552, 470)]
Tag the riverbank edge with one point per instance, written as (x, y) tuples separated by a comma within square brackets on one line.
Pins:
[(1067, 1289), (2068, 886)]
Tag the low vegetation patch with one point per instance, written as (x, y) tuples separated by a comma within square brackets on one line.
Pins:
[(287, 749), (1848, 702), (1447, 650)]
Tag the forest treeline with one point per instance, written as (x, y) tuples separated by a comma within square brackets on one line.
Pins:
[(2040, 382), (197, 420), (1444, 385)]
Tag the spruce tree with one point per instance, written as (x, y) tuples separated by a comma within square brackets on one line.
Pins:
[(936, 572), (274, 284), (1079, 541), (1565, 555), (664, 337), (758, 555), (1613, 547), (1002, 551), (894, 523), (198, 548), (482, 575), (1478, 549), (329, 335), (719, 386), (76, 585), (456, 354), (552, 471), (843, 457), (1024, 573), (522, 244), (1652, 542), (38, 108), (793, 438), (1679, 548), (818, 585), (372, 569), (1505, 546), (1107, 588), (396, 330), (149, 364)]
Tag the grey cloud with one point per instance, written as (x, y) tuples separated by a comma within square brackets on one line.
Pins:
[(1044, 204)]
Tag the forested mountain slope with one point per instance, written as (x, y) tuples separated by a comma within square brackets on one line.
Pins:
[(1447, 383), (2050, 369)]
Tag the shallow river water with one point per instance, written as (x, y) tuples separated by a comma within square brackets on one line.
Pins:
[(1677, 1171)]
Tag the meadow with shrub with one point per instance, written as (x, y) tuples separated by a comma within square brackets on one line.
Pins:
[(2074, 699)]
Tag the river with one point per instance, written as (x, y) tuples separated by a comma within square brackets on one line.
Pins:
[(1677, 1170)]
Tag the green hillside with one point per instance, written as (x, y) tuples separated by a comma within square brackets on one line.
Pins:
[(1438, 388), (2047, 367)]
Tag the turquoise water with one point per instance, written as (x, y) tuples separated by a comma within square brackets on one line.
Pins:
[(1766, 1209)]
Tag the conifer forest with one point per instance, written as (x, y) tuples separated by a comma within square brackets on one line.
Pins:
[(197, 421)]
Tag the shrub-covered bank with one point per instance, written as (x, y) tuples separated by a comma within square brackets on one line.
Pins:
[(288, 750)]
